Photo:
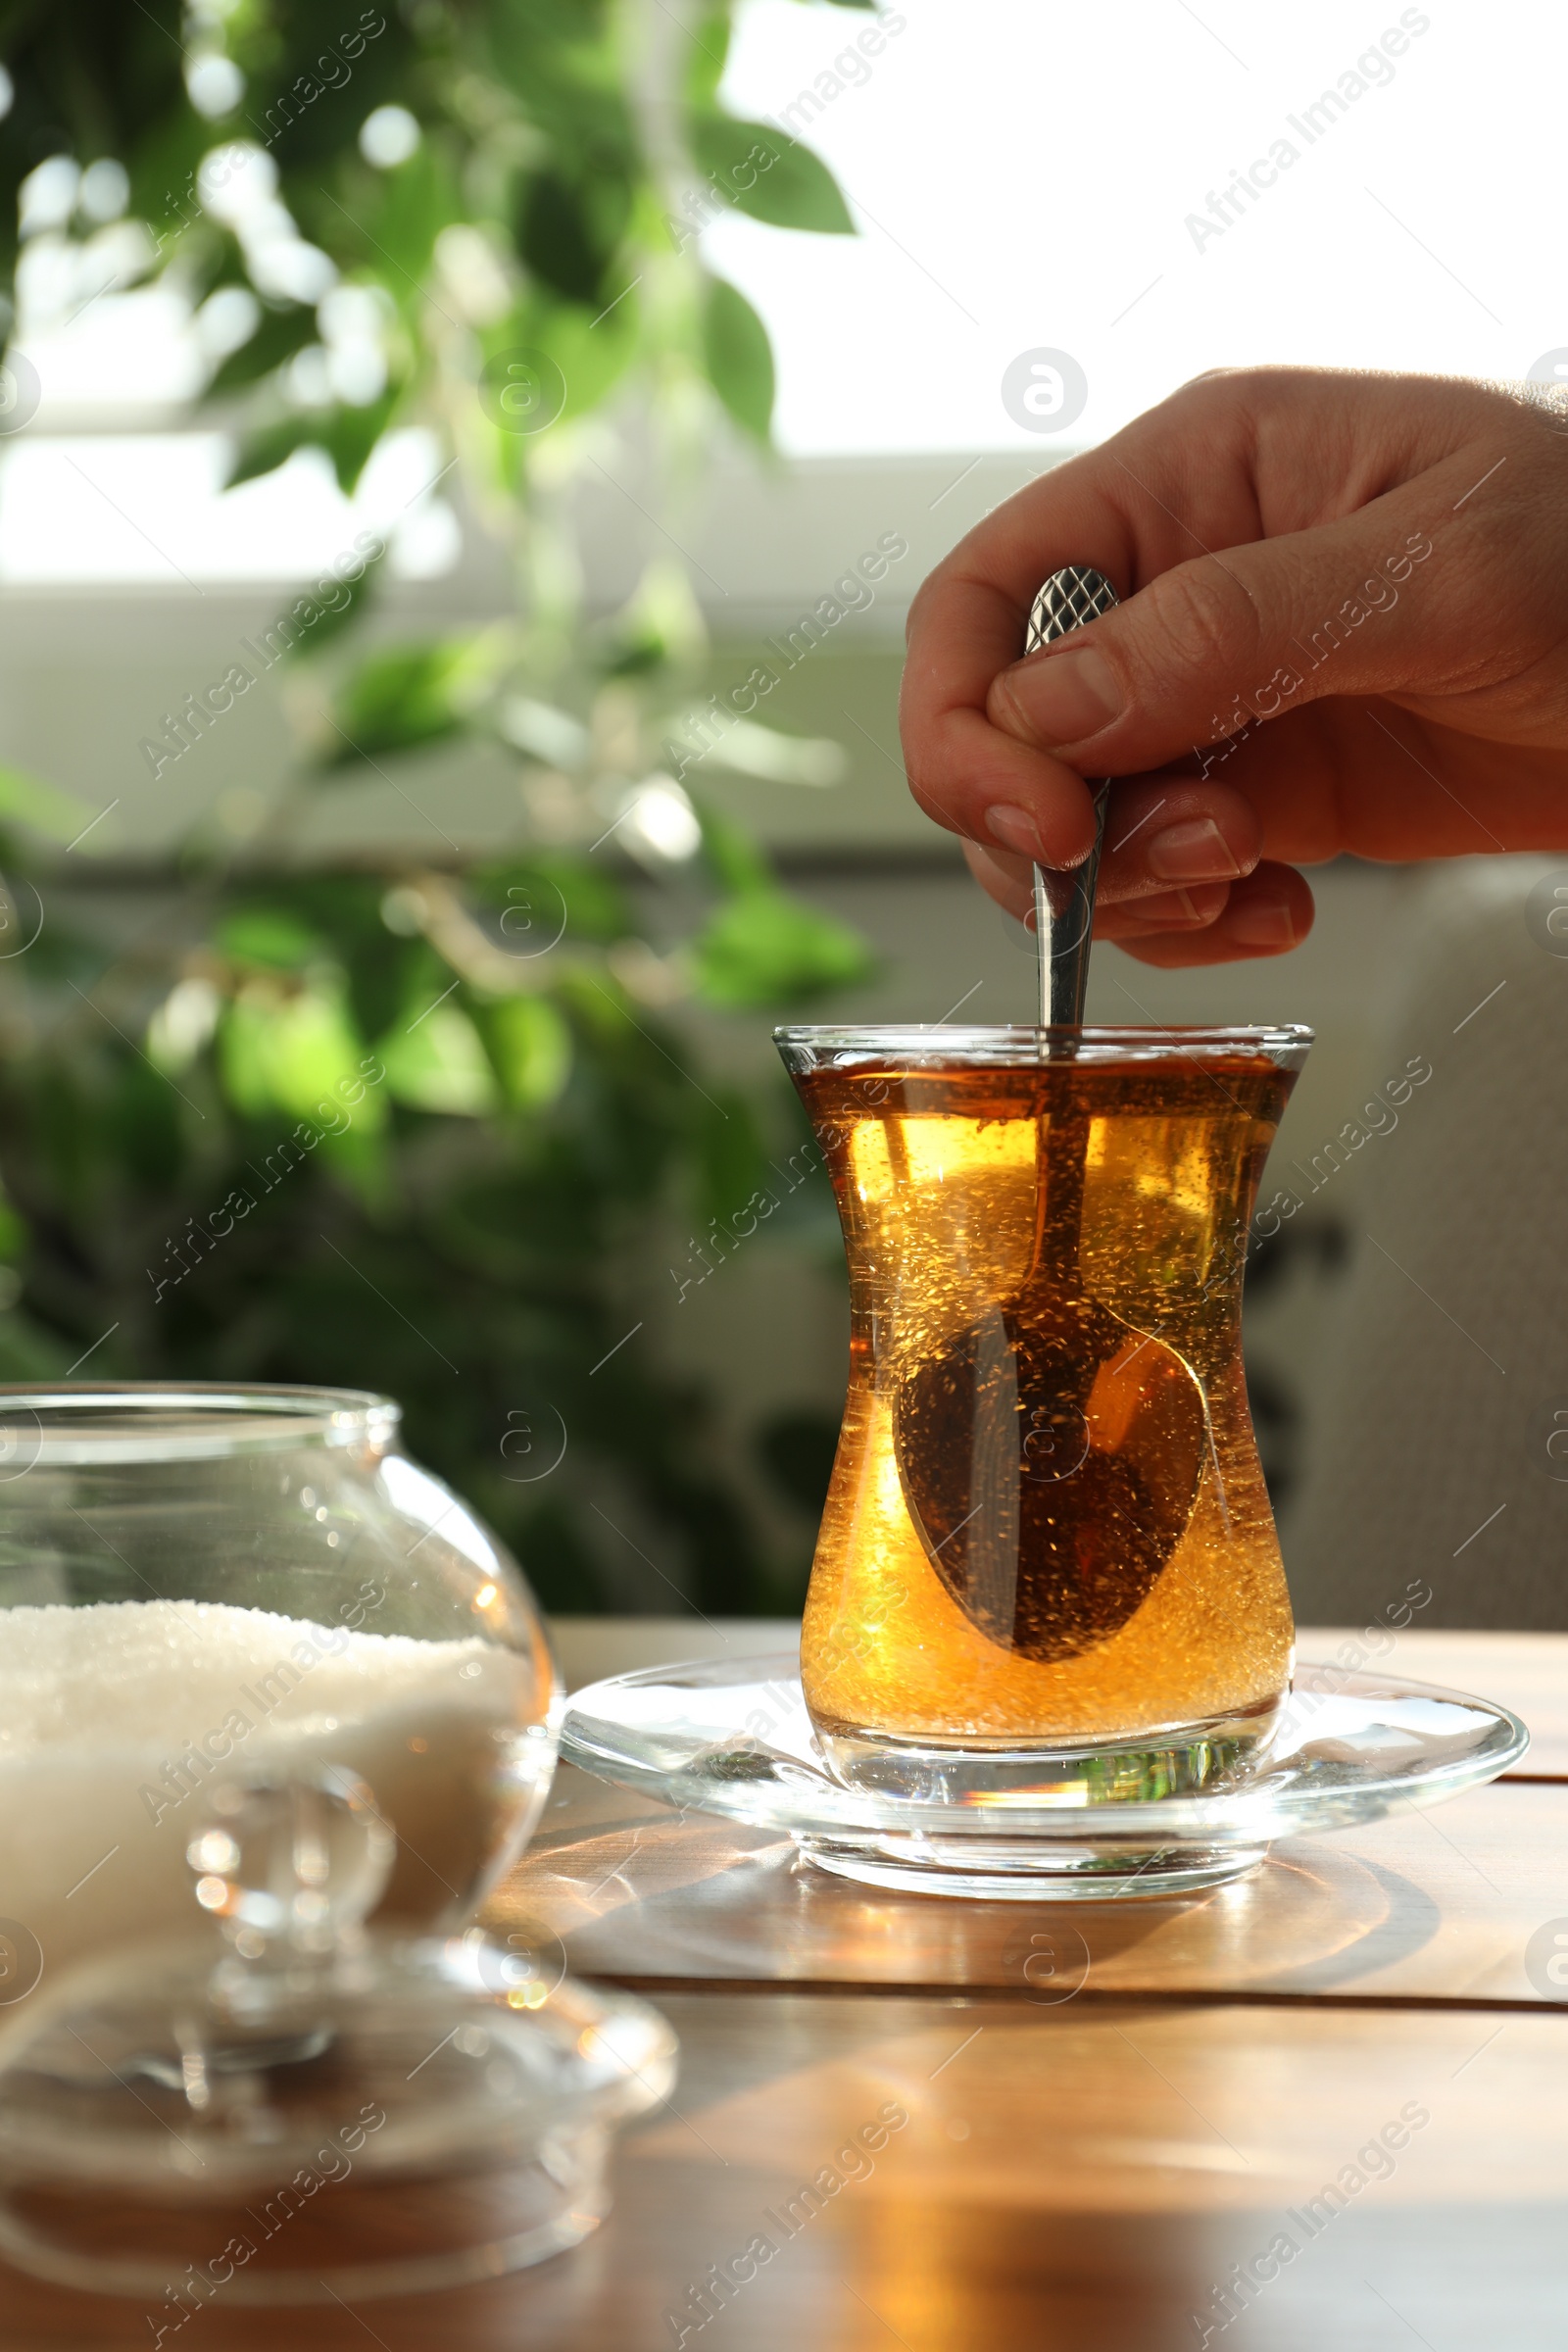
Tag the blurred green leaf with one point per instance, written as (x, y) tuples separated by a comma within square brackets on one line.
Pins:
[(592, 347), (709, 51), (278, 335), (395, 216), (348, 435), (765, 949), (351, 595), (548, 891), (410, 694), (565, 65), (296, 1053), (13, 1232), (569, 229), (659, 627), (58, 816), (550, 735), (772, 177), (530, 1047), (729, 1157), (269, 447), (739, 358), (438, 1064), (269, 935), (733, 858), (750, 749)]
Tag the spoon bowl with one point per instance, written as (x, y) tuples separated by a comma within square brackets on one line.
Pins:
[(1050, 1458)]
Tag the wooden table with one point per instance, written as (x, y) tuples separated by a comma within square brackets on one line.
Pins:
[(1338, 2078)]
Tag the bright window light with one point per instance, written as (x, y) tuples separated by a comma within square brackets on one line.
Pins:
[(216, 85), (122, 357), (149, 509), (388, 136), (1026, 179)]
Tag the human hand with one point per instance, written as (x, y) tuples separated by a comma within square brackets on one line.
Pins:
[(1344, 629)]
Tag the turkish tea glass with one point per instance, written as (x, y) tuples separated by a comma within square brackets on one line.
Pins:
[(1047, 1565)]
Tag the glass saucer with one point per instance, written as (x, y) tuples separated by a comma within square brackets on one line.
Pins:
[(733, 1736)]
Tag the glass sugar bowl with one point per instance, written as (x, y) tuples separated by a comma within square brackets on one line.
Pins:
[(202, 1582)]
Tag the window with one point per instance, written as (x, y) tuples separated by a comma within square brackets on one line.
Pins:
[(1111, 181)]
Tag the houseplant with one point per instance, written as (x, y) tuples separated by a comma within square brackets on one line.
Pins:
[(354, 1123)]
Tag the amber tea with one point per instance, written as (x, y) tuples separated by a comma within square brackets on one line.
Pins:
[(1047, 1526)]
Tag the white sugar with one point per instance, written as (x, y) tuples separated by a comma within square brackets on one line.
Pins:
[(118, 1719), (169, 1672)]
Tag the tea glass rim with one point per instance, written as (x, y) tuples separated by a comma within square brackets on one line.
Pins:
[(104, 1423), (1021, 1045)]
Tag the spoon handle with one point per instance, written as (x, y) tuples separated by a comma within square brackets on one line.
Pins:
[(1065, 900)]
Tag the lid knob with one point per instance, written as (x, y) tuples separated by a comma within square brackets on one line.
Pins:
[(290, 1865)]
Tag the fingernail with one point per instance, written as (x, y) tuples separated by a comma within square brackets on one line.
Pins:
[(1015, 828), (1200, 904), (1059, 700), (1262, 923), (1194, 851), (1197, 910)]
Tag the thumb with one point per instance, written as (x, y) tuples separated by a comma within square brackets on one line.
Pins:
[(1213, 645)]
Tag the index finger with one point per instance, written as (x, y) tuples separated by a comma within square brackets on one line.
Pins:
[(1150, 499)]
